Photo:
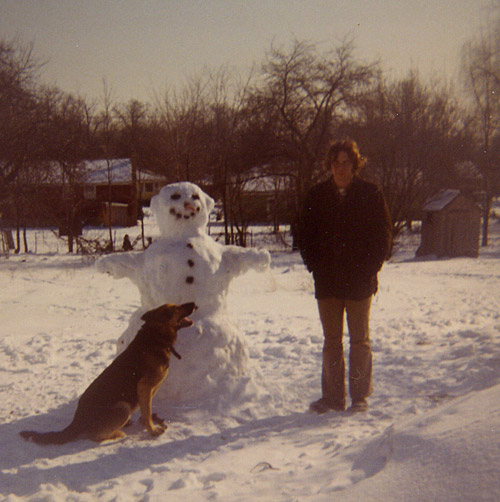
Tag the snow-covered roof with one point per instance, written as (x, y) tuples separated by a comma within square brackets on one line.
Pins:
[(258, 182), (96, 172), (441, 200)]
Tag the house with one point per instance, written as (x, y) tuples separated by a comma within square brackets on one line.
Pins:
[(100, 177), (109, 192), (88, 193), (264, 197), (451, 226)]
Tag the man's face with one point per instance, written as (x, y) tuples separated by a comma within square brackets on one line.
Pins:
[(342, 170)]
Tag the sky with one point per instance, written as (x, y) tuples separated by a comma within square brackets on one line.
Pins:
[(142, 47)]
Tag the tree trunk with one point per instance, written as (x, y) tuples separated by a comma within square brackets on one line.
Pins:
[(486, 219), (18, 239), (25, 240)]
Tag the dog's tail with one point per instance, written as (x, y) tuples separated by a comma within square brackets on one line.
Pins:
[(56, 437)]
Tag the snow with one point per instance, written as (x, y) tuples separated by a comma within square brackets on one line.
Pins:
[(431, 433)]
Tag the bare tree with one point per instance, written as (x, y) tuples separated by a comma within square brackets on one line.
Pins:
[(66, 146), (228, 94), (183, 116), (308, 92), (481, 72), (19, 125), (106, 128), (413, 136), (132, 117), (203, 124)]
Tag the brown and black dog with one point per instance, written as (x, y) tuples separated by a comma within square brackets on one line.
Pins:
[(129, 382)]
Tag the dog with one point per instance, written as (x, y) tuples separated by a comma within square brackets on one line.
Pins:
[(128, 383)]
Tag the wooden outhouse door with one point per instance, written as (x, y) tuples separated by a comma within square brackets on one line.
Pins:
[(456, 233), (459, 234)]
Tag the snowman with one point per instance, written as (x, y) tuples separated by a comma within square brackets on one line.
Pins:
[(187, 265)]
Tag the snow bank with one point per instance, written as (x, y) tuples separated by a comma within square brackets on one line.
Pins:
[(449, 453)]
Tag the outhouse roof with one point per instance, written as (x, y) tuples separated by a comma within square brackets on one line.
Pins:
[(441, 200)]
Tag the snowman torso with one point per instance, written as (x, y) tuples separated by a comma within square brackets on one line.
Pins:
[(184, 271)]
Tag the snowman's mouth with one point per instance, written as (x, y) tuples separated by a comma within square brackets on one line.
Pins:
[(186, 215)]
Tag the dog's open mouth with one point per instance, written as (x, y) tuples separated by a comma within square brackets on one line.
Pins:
[(186, 309), (185, 322)]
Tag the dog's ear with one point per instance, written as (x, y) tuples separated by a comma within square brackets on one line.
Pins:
[(163, 313)]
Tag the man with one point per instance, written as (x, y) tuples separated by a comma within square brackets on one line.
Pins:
[(344, 236)]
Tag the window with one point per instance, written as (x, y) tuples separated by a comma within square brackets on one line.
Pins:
[(89, 192)]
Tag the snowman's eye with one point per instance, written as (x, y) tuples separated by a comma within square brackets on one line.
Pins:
[(195, 197), (175, 196)]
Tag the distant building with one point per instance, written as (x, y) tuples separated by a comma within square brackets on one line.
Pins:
[(90, 193), (102, 176), (264, 197), (109, 194), (451, 226)]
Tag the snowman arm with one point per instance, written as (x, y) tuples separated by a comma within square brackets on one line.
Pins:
[(119, 265), (237, 261)]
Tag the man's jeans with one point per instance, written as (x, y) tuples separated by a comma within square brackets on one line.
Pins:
[(331, 312)]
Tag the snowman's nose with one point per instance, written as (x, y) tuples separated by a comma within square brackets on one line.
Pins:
[(189, 206)]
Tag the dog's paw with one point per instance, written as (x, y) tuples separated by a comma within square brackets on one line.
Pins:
[(158, 420), (158, 430)]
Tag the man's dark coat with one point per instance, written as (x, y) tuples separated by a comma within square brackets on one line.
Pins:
[(344, 240)]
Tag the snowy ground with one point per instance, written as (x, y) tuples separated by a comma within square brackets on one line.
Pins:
[(432, 432)]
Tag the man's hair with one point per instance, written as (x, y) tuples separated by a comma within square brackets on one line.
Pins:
[(348, 146)]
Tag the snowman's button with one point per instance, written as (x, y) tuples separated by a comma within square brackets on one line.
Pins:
[(190, 279), (189, 245), (190, 263)]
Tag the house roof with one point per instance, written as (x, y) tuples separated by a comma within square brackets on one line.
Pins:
[(96, 172), (441, 200), (258, 182)]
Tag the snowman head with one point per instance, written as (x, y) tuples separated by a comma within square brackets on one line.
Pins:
[(181, 209)]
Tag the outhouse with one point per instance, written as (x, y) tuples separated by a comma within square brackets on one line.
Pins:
[(451, 226)]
